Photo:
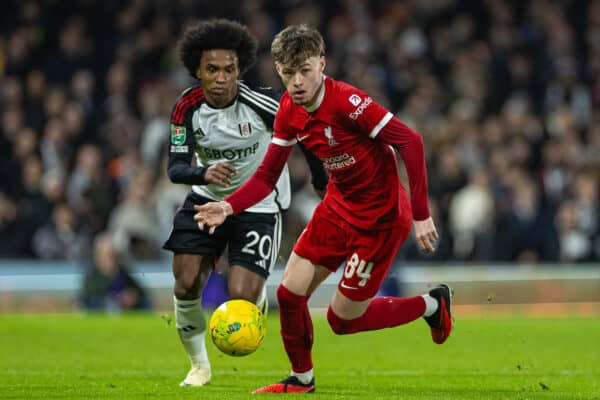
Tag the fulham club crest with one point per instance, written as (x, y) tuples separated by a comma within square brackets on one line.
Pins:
[(245, 129)]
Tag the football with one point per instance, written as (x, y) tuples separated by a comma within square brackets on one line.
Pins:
[(237, 327)]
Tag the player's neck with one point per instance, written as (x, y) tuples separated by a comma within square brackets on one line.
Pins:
[(318, 98)]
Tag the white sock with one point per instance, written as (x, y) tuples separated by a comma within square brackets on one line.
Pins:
[(304, 377), (431, 305), (191, 326)]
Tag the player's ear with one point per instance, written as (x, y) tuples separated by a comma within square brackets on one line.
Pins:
[(322, 63), (277, 67)]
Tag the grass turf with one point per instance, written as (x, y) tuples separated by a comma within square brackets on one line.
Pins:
[(74, 356)]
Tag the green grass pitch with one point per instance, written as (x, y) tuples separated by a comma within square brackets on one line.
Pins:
[(74, 356)]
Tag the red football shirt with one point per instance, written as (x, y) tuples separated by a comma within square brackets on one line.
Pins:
[(346, 131)]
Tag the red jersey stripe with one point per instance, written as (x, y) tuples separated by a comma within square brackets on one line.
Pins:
[(183, 105)]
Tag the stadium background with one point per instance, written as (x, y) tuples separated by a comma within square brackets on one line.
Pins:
[(506, 96)]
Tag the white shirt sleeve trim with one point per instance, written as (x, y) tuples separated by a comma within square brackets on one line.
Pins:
[(284, 143), (386, 118)]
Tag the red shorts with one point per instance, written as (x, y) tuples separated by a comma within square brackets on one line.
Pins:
[(328, 241)]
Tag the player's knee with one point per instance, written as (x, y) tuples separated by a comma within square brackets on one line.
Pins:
[(244, 284), (184, 294), (186, 288), (338, 325)]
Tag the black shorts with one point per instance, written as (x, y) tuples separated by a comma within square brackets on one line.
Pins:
[(253, 238)]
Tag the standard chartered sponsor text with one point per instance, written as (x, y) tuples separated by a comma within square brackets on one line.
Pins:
[(339, 161)]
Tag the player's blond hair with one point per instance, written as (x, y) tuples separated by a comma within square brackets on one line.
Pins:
[(296, 43)]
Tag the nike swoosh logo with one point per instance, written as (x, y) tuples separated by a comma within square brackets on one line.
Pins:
[(301, 138), (343, 284)]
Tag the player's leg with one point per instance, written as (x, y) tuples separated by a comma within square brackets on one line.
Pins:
[(321, 243), (439, 319), (349, 316), (300, 280), (246, 284), (353, 308), (191, 272), (253, 250), (194, 255)]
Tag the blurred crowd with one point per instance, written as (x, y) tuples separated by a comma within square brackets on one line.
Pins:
[(505, 93)]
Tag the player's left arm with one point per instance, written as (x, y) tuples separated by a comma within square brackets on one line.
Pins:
[(375, 120), (410, 146), (181, 151)]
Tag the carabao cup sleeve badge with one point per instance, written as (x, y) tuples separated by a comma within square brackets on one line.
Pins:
[(177, 134)]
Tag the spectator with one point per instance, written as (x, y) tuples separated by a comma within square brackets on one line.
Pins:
[(8, 218), (108, 285), (470, 215), (574, 244), (134, 220), (61, 238)]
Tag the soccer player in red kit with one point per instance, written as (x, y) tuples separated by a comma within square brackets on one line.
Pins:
[(363, 219)]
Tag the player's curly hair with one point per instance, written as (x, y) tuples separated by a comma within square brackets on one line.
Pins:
[(296, 43), (217, 34)]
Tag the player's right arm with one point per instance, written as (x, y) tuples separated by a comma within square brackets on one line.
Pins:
[(260, 184), (182, 145)]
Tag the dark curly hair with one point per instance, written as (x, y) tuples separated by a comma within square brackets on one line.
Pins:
[(217, 34)]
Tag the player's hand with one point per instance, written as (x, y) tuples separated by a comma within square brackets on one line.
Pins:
[(426, 235), (220, 174), (212, 214)]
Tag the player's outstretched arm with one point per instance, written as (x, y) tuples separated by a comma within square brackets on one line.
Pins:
[(426, 235), (260, 184), (212, 214)]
